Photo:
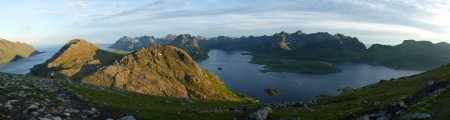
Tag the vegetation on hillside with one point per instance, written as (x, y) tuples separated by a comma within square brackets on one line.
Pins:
[(378, 97), (146, 107), (273, 64)]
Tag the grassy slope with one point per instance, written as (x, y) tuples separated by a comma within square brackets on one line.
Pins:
[(438, 106), (295, 66), (157, 107), (351, 104)]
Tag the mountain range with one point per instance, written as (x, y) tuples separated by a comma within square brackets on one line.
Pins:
[(320, 47)]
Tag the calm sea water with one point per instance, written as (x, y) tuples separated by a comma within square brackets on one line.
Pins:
[(245, 78)]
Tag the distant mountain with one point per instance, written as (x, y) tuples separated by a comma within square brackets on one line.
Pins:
[(132, 44), (323, 46), (190, 44), (10, 51), (156, 70), (184, 41), (298, 45), (411, 54)]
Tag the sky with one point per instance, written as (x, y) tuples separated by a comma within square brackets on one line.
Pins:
[(105, 21)]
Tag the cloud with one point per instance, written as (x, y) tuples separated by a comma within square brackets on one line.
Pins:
[(370, 20), (77, 4)]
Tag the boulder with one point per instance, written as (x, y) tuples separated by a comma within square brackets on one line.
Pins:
[(416, 116), (127, 118), (261, 114)]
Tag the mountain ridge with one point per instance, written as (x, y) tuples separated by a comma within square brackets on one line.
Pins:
[(11, 51)]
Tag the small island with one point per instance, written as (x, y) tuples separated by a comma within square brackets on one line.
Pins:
[(273, 64), (220, 68), (272, 92)]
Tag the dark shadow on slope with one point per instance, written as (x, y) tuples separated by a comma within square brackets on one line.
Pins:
[(106, 58)]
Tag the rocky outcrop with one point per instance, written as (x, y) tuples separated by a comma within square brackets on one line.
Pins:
[(165, 71), (260, 114), (10, 51), (190, 44), (156, 70)]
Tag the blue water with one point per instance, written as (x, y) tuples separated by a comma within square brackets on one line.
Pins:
[(246, 78)]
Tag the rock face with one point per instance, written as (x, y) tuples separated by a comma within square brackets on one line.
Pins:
[(75, 59), (190, 44), (10, 51), (156, 70), (132, 44), (165, 71)]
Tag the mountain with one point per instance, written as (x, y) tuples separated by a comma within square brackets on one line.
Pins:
[(132, 44), (411, 54), (190, 44), (156, 70), (75, 59), (184, 41), (10, 51), (162, 70)]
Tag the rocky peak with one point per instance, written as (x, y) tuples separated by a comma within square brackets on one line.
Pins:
[(183, 37), (299, 32), (171, 37)]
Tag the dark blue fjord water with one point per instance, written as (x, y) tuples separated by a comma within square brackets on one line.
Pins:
[(245, 78)]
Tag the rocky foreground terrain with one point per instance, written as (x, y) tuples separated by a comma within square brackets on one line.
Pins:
[(24, 97)]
